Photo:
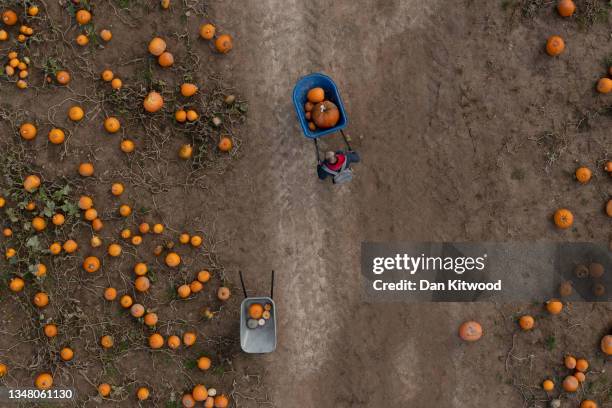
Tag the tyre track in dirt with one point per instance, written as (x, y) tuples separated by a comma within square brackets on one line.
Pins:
[(293, 215)]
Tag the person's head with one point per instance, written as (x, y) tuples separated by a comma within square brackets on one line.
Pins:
[(330, 157)]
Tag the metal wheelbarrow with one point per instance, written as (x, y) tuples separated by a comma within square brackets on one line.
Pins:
[(257, 322)]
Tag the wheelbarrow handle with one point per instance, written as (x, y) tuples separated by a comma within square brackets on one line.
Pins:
[(272, 286), (242, 282)]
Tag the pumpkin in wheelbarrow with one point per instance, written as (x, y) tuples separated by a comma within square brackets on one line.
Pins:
[(325, 115)]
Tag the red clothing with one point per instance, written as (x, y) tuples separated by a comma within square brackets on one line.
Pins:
[(338, 164)]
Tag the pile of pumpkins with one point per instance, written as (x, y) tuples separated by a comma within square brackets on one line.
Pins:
[(259, 315), (320, 112)]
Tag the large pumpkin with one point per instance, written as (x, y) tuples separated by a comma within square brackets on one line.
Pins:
[(325, 115)]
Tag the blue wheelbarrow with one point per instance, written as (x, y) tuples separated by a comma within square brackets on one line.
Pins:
[(300, 90), (257, 331)]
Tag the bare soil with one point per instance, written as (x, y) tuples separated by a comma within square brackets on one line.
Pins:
[(468, 132)]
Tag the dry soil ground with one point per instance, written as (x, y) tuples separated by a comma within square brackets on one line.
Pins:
[(468, 132)]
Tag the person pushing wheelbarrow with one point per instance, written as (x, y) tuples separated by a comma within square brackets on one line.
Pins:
[(321, 112)]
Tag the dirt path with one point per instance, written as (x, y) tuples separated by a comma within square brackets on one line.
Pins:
[(443, 167)]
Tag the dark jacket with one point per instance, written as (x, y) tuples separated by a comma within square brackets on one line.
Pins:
[(350, 157)]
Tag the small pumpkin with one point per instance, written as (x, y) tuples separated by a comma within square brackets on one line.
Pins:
[(112, 124), (224, 43), (563, 218), (166, 59), (27, 131), (185, 152), (609, 208), (566, 8), (207, 31), (188, 89), (555, 45), (570, 383), (569, 362), (583, 174), (604, 85), (106, 35), (554, 306), (588, 404), (325, 115), (157, 46), (606, 344), (153, 102), (608, 166), (62, 77), (526, 322), (225, 144), (221, 401), (548, 385), (223, 293), (470, 331), (83, 17), (315, 95)]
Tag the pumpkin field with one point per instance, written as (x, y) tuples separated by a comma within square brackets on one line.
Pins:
[(149, 150)]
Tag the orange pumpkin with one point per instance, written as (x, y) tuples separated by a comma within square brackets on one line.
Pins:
[(157, 46), (27, 131), (83, 17), (563, 218), (548, 385), (582, 365), (166, 59), (526, 322), (569, 362), (609, 208), (106, 35), (188, 89), (43, 381), (604, 85), (185, 152), (606, 344), (566, 8), (470, 331), (554, 306), (207, 31), (91, 264), (584, 174), (325, 115), (570, 383), (225, 144), (588, 404), (223, 293), (9, 17), (188, 401), (221, 401), (62, 77), (224, 43), (608, 167), (256, 311), (153, 102), (112, 125), (56, 136), (314, 96), (555, 45)]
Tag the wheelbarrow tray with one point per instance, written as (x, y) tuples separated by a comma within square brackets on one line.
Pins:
[(263, 338), (300, 90)]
